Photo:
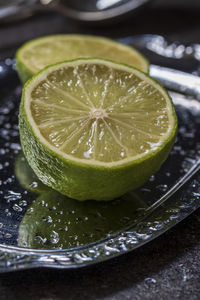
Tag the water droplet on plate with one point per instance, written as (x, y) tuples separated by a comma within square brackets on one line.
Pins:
[(16, 207), (54, 237)]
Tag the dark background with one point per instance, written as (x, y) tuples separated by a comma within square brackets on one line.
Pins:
[(168, 267)]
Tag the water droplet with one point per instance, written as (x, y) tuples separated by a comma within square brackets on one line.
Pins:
[(152, 178), (15, 146), (34, 184), (23, 203), (30, 210), (54, 237), (8, 235), (49, 219), (168, 174), (150, 280), (40, 239), (162, 187), (16, 207), (122, 154)]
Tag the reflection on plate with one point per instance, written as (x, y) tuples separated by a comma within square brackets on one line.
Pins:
[(65, 233), (54, 221)]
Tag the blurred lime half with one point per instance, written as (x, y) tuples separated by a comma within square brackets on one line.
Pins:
[(42, 52)]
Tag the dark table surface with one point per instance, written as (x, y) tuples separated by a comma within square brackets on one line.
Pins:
[(168, 267)]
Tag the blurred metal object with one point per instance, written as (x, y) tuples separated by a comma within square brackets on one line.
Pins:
[(87, 11), (91, 11), (162, 52), (165, 57), (99, 10), (181, 82), (18, 9), (160, 46)]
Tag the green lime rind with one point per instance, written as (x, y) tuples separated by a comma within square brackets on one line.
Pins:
[(25, 72), (54, 221), (22, 71), (82, 180), (27, 177)]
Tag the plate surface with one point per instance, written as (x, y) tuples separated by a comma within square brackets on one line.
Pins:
[(40, 227)]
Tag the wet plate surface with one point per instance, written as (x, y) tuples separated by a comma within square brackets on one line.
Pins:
[(40, 227)]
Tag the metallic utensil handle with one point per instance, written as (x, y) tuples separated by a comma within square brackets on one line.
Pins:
[(18, 9), (178, 81)]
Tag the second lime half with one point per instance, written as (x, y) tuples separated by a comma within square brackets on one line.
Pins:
[(36, 54)]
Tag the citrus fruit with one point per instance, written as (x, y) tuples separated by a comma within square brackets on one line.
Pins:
[(55, 221), (41, 52), (95, 129)]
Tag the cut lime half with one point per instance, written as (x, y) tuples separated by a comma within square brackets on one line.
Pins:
[(42, 52), (95, 129)]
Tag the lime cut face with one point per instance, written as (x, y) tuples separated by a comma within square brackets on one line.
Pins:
[(42, 52), (80, 112), (96, 115)]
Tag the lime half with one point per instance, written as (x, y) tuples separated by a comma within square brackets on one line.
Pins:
[(95, 129), (42, 52)]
